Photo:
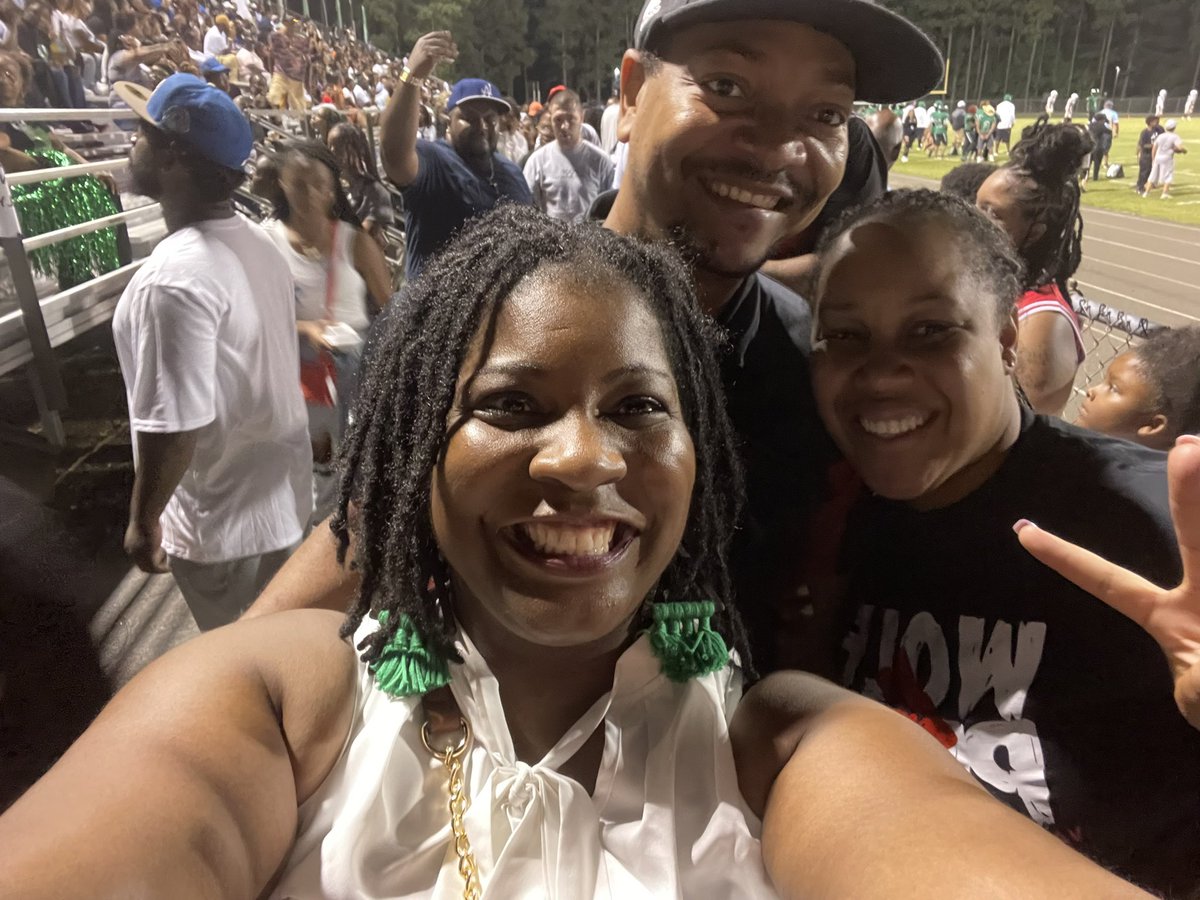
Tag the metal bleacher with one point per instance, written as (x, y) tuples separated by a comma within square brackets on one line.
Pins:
[(36, 317)]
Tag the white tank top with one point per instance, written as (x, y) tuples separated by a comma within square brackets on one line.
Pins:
[(666, 819), (334, 285)]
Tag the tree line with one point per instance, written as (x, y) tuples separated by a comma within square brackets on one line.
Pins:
[(1021, 47)]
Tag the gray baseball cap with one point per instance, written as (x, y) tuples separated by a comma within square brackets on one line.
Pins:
[(895, 60)]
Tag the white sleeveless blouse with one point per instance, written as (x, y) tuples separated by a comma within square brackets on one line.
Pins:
[(666, 819)]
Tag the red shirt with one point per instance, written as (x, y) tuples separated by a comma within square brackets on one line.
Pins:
[(1048, 298)]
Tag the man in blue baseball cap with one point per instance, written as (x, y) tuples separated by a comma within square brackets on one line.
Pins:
[(206, 337), (445, 183), (216, 73)]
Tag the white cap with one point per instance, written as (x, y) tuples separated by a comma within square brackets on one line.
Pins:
[(1170, 125), (962, 104)]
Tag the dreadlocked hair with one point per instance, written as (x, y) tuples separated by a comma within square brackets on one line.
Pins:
[(358, 152), (984, 250), (1168, 361), (399, 428), (1048, 158)]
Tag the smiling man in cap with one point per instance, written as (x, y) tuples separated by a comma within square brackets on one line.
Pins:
[(445, 183), (736, 112), (206, 337)]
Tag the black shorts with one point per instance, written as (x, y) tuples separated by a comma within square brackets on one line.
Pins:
[(939, 140), (920, 134), (1003, 135)]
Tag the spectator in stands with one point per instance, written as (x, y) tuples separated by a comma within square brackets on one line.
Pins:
[(946, 617), (58, 202), (512, 142), (1145, 151), (216, 73), (369, 197), (289, 58), (216, 39), (72, 42), (129, 57), (445, 183), (205, 335), (565, 177), (1035, 199), (341, 281), (34, 35), (1150, 393), (323, 118), (256, 96)]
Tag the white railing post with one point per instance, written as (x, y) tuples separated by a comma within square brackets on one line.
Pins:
[(49, 391)]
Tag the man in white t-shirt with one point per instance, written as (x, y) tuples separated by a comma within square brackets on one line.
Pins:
[(1006, 118), (216, 39), (206, 337), (608, 126), (567, 175)]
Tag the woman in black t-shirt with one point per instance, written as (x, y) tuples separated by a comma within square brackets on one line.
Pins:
[(1059, 705)]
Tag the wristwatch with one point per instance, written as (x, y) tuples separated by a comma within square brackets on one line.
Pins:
[(407, 77)]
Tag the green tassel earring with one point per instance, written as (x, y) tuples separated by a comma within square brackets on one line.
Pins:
[(407, 667), (683, 639)]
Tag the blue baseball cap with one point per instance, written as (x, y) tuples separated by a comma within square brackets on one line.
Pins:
[(476, 89), (195, 112), (212, 64)]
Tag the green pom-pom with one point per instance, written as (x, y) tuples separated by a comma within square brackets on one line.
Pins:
[(407, 667), (683, 639)]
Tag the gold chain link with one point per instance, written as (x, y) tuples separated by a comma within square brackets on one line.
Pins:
[(451, 758)]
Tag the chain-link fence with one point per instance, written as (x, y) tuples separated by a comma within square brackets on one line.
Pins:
[(1107, 333)]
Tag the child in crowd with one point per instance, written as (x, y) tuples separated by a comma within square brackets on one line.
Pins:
[(1059, 705), (1150, 394)]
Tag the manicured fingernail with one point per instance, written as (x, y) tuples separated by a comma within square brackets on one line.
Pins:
[(1188, 439), (1021, 525)]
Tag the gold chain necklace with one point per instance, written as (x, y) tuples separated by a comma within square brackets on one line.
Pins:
[(451, 757)]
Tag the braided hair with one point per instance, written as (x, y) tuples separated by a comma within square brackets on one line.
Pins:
[(358, 156), (1048, 158), (399, 432)]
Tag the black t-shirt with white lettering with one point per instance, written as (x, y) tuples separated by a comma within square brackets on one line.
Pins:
[(1059, 705)]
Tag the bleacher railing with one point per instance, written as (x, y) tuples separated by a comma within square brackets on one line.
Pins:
[(29, 334)]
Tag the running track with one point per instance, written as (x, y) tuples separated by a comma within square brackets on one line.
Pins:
[(1141, 266)]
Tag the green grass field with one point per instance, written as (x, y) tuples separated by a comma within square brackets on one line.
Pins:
[(1116, 195)]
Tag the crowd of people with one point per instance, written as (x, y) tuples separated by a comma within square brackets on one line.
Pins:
[(656, 538)]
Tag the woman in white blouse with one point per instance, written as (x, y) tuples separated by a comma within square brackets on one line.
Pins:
[(540, 475)]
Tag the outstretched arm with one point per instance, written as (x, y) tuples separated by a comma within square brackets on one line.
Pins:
[(398, 124), (857, 801), (187, 785), (310, 579)]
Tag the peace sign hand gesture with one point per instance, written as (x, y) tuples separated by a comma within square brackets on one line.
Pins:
[(1171, 617)]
